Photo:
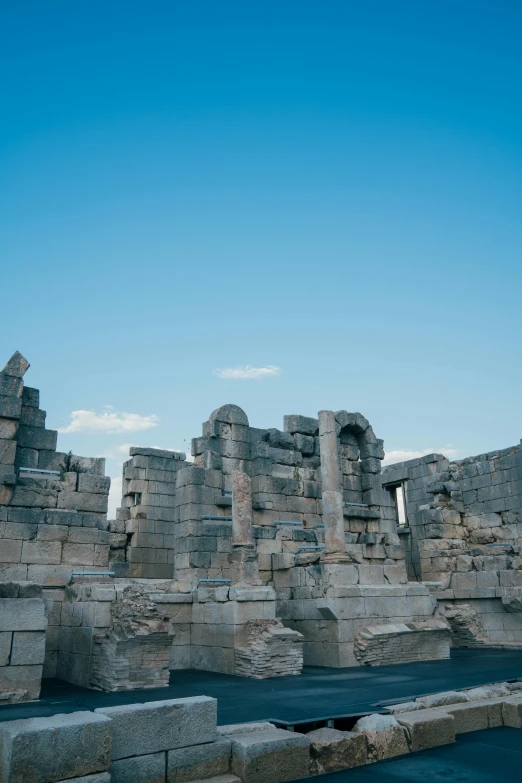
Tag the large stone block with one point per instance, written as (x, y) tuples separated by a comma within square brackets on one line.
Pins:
[(161, 725), (32, 417), (82, 501), (42, 750), (270, 756), (17, 366), (139, 769), (332, 750), (28, 648), (476, 715), (42, 552), (21, 683), (37, 438), (28, 614), (7, 451), (427, 728), (10, 386), (304, 425), (512, 712), (8, 428), (385, 737), (199, 761), (99, 485), (10, 407)]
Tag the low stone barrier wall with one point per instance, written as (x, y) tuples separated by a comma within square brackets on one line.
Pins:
[(178, 741), (23, 625), (174, 741)]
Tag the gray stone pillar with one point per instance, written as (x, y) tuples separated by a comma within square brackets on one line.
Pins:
[(241, 510), (243, 559), (332, 497)]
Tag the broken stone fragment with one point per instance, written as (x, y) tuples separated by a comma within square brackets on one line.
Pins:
[(332, 750), (17, 366), (385, 737)]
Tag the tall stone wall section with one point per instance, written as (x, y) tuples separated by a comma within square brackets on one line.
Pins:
[(53, 505), (465, 533), (142, 536)]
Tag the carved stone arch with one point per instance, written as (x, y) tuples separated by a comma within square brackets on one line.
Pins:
[(357, 438)]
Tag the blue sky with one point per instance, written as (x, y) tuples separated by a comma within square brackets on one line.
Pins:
[(333, 189)]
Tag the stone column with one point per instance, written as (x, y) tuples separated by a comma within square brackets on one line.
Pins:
[(241, 510), (332, 497), (243, 559)]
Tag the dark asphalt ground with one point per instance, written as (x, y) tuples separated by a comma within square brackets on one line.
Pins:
[(316, 693)]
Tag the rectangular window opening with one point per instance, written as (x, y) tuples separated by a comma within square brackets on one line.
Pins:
[(398, 493)]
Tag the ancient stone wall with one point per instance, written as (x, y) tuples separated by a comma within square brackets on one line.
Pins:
[(464, 527), (285, 471), (53, 505)]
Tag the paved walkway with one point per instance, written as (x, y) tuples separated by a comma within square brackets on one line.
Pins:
[(316, 693)]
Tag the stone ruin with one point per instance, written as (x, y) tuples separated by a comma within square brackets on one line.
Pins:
[(272, 549)]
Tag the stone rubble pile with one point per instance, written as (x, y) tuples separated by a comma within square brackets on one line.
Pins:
[(381, 645)]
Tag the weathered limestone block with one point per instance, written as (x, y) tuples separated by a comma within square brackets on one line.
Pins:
[(16, 367), (304, 425), (199, 762), (443, 699), (488, 692), (141, 729), (10, 407), (384, 735), (466, 626), (475, 715), (512, 600), (332, 750), (39, 750), (268, 650), (512, 712), (427, 728), (271, 756), (22, 614)]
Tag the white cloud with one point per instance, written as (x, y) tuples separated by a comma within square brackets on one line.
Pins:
[(118, 453), (114, 496), (248, 372), (402, 455), (90, 421)]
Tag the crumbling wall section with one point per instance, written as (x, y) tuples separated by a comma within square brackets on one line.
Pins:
[(269, 650), (53, 505), (113, 638), (385, 644)]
